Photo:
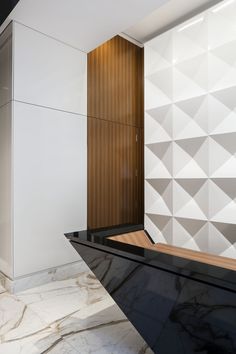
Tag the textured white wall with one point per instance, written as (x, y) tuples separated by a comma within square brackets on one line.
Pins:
[(190, 133)]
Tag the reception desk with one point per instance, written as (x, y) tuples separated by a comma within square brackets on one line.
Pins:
[(179, 303)]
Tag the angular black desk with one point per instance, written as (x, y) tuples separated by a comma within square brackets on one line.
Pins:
[(178, 306)]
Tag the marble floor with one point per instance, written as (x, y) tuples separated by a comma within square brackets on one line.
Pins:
[(66, 317)]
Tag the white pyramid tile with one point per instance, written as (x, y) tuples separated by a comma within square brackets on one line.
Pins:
[(222, 202), (158, 196), (226, 52), (217, 156), (154, 61), (190, 199), (192, 245), (159, 53), (226, 230), (229, 252), (218, 200), (158, 124), (198, 191), (196, 70), (189, 118), (227, 214), (180, 234), (225, 9), (221, 118), (186, 229), (218, 243), (197, 31), (221, 27), (201, 238), (191, 170), (221, 74), (190, 78), (227, 170), (160, 164), (154, 131), (190, 158), (191, 35), (226, 96), (227, 141), (223, 155), (184, 87), (159, 227), (153, 231), (154, 97), (163, 80)]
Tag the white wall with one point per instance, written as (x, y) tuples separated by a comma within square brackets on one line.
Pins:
[(190, 133), (6, 265), (48, 73), (49, 186), (50, 150), (43, 151), (6, 66)]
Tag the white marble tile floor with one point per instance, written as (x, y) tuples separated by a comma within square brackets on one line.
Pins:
[(74, 316)]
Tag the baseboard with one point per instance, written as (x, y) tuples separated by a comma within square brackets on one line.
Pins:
[(63, 272)]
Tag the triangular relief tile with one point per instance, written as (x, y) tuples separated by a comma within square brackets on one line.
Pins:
[(226, 96), (221, 118), (221, 26), (218, 243), (190, 199), (220, 73), (229, 252), (159, 227), (190, 35), (190, 78), (223, 155), (227, 230), (190, 158), (159, 52), (189, 118), (163, 81), (154, 60), (222, 201), (158, 196), (159, 166), (158, 124), (154, 97)]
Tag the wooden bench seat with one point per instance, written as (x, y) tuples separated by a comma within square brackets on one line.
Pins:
[(140, 239)]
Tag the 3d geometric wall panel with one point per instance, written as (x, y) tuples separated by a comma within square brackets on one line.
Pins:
[(190, 133)]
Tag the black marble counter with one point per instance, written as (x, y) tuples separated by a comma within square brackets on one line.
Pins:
[(178, 306)]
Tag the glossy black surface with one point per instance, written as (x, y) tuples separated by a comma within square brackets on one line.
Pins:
[(6, 6), (178, 306)]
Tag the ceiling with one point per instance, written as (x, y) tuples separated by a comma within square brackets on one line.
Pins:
[(84, 24), (87, 24), (168, 15)]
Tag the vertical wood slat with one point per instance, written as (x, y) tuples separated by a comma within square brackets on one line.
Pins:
[(115, 116)]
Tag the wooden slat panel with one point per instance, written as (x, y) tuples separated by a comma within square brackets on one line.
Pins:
[(115, 82), (114, 190), (140, 239), (115, 117)]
